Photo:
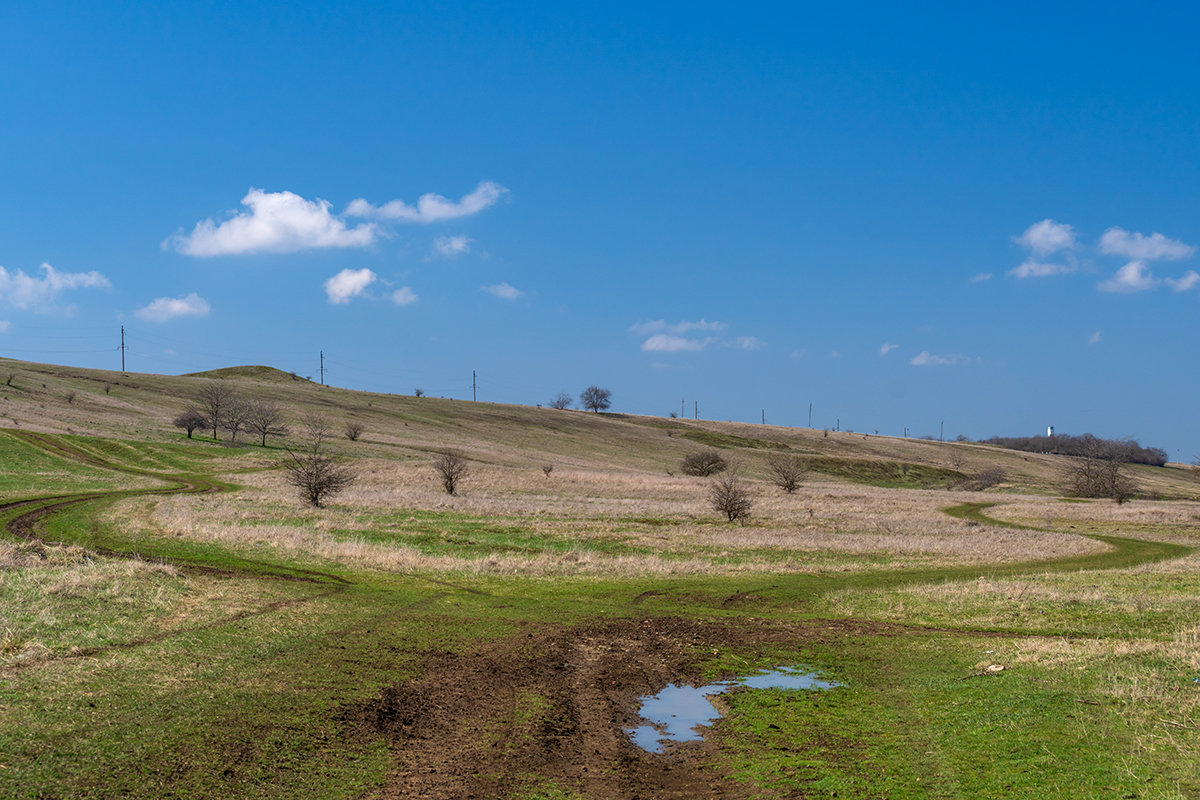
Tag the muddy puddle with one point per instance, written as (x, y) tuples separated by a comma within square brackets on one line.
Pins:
[(677, 713)]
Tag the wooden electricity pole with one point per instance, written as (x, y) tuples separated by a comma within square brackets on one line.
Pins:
[(122, 348)]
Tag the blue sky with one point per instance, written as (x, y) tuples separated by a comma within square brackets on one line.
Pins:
[(985, 217)]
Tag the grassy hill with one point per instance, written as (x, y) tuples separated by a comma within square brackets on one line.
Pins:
[(58, 399)]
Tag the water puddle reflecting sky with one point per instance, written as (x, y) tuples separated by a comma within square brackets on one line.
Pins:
[(677, 712)]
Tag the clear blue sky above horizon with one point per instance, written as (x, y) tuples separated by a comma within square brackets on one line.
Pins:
[(983, 216)]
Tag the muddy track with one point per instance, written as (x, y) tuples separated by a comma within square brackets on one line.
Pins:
[(27, 525)]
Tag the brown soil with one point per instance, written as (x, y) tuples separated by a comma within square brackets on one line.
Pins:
[(554, 705)]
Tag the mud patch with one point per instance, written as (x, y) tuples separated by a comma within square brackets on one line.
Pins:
[(553, 705)]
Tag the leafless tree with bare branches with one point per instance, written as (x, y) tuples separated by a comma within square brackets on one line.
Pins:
[(265, 418), (451, 467), (729, 496), (787, 472)]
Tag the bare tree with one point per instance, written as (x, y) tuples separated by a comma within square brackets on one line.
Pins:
[(703, 463), (190, 420), (71, 397), (729, 496), (9, 377), (595, 399), (353, 430), (235, 418), (563, 400), (418, 392), (1097, 476), (316, 474), (547, 469), (451, 467), (213, 401), (265, 418), (787, 472)]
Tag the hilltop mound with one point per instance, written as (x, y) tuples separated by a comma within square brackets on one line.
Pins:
[(255, 372)]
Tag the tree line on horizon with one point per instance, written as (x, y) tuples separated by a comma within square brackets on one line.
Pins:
[(1126, 451)]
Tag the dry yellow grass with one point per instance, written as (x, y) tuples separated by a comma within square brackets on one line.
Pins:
[(819, 527)]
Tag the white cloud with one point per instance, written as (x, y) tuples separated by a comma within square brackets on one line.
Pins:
[(886, 348), (4, 325), (503, 291), (927, 359), (1133, 277), (348, 284), (431, 207), (277, 222), (667, 343), (25, 291), (451, 246), (404, 296), (981, 277), (167, 308), (1094, 338), (1033, 268), (1189, 280), (662, 326), (1155, 247), (1047, 237), (749, 343)]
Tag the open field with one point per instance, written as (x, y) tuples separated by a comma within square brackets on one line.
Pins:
[(174, 622)]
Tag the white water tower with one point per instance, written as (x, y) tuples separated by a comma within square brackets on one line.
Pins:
[(1049, 430)]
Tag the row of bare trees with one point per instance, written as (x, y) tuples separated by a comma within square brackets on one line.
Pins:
[(218, 407)]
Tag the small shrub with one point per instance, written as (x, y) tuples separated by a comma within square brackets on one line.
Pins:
[(703, 463), (729, 496), (547, 469), (787, 472), (418, 392), (451, 467), (317, 475), (71, 397), (353, 431), (107, 388), (562, 401), (9, 377), (993, 476)]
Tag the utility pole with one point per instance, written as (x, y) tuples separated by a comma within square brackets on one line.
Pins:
[(122, 348), (474, 386), (322, 367), (764, 417), (905, 431), (942, 432), (810, 415), (838, 427), (682, 412), (696, 410)]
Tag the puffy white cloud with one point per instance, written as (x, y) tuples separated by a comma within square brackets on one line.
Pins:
[(981, 277), (26, 291), (348, 284), (503, 291), (1155, 247), (275, 222), (431, 207), (1094, 338), (886, 348), (4, 325), (1047, 237), (167, 308), (451, 246), (404, 296), (1033, 268), (1133, 277), (667, 343), (1189, 280), (927, 359), (662, 326)]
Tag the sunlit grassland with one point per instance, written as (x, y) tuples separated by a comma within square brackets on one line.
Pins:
[(218, 659)]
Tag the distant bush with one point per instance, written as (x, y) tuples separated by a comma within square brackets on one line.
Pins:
[(703, 463), (729, 496), (353, 430), (1126, 451), (787, 472), (985, 479), (451, 467)]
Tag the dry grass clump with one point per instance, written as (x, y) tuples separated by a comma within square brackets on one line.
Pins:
[(56, 598)]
